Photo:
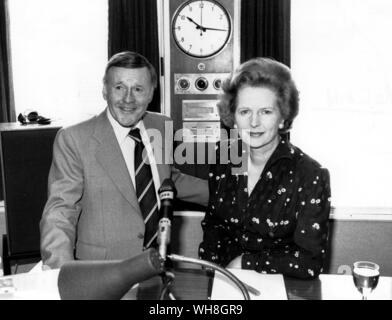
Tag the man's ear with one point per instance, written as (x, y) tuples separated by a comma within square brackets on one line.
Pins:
[(151, 95), (104, 92)]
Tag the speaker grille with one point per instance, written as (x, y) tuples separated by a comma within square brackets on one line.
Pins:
[(26, 156)]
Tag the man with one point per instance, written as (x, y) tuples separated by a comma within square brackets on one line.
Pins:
[(100, 204)]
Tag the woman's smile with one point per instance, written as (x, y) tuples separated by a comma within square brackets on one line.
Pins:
[(256, 134)]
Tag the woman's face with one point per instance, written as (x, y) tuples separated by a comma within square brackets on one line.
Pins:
[(257, 117)]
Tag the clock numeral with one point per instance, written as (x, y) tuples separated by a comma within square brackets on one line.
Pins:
[(183, 17), (190, 47), (213, 7), (179, 28), (201, 50), (190, 8), (221, 17), (201, 5), (182, 39)]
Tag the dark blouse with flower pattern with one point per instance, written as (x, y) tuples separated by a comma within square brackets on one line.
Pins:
[(282, 227)]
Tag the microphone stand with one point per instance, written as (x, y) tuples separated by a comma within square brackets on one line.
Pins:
[(167, 280), (168, 277), (167, 192)]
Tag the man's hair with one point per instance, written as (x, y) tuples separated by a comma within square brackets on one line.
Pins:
[(131, 60)]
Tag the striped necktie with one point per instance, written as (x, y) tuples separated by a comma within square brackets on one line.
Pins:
[(145, 191)]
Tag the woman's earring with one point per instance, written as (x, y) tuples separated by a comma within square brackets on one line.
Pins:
[(235, 126), (281, 125)]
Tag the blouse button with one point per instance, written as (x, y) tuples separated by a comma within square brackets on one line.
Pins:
[(271, 234), (140, 235)]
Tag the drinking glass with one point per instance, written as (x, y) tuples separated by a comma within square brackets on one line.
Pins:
[(365, 275)]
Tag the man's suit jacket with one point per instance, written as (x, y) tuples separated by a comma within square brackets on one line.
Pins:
[(92, 212)]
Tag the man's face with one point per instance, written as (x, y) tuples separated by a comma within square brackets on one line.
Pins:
[(128, 93)]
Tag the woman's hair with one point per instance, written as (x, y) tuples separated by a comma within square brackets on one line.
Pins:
[(131, 60), (265, 73)]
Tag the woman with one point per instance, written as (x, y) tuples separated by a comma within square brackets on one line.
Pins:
[(274, 217)]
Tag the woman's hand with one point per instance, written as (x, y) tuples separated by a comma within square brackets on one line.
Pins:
[(236, 263)]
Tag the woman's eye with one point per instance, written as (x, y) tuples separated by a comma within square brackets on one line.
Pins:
[(244, 112), (118, 87), (266, 111)]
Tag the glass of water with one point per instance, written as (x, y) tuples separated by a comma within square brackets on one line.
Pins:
[(365, 275)]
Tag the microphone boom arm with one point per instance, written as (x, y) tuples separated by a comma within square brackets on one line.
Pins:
[(167, 193), (214, 266)]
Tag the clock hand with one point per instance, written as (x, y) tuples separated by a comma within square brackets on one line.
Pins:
[(201, 17), (206, 28), (198, 26)]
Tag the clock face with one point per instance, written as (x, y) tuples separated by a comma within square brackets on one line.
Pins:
[(201, 29)]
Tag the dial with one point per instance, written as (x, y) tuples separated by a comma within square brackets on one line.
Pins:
[(184, 84), (201, 83), (201, 29)]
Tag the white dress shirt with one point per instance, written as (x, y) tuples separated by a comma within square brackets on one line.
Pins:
[(127, 146)]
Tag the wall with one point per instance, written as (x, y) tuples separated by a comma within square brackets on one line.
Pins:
[(353, 240), (350, 240)]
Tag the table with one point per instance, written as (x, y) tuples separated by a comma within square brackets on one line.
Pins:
[(194, 284)]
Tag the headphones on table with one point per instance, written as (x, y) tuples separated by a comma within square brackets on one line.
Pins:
[(33, 118)]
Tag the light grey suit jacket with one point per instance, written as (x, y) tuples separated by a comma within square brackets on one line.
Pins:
[(92, 212)]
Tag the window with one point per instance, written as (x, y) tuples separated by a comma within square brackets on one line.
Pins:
[(59, 53), (341, 60)]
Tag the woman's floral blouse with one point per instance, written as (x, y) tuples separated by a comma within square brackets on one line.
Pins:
[(281, 227)]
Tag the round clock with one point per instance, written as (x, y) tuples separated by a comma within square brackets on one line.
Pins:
[(201, 29)]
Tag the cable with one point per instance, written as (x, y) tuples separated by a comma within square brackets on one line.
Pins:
[(167, 280), (214, 266)]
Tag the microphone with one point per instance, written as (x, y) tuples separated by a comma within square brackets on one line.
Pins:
[(167, 193), (106, 280)]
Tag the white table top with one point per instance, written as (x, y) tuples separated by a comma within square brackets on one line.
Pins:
[(42, 285)]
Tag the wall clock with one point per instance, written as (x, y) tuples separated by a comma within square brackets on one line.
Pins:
[(201, 29)]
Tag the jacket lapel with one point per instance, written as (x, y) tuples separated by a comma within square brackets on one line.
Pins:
[(109, 155)]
